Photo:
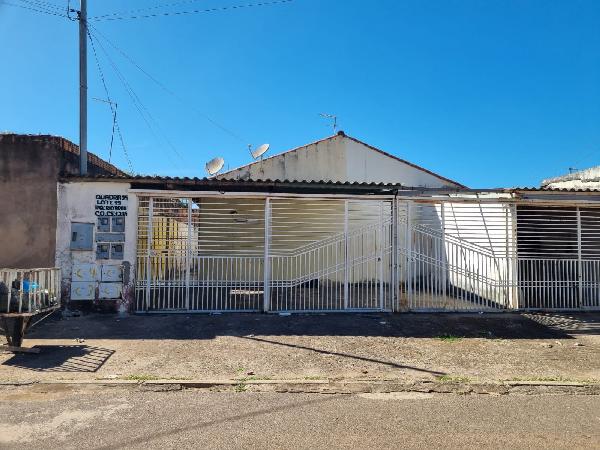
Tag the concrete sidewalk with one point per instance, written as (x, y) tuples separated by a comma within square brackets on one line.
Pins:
[(406, 347)]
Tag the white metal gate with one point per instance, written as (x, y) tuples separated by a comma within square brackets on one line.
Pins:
[(455, 256), (208, 254), (279, 254)]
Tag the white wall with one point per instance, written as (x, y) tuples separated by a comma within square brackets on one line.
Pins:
[(76, 203), (339, 159), (366, 165)]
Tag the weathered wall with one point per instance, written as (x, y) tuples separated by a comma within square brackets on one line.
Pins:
[(339, 159), (76, 203), (323, 160), (28, 174), (365, 165), (30, 167)]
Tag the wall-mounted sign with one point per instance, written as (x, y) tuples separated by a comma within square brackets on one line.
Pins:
[(111, 205)]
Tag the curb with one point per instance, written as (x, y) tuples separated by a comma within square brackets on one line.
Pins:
[(331, 387)]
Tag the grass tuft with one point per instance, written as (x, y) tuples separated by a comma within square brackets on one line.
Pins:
[(141, 377), (453, 379), (449, 338)]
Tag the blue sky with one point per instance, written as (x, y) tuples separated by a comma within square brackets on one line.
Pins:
[(490, 93)]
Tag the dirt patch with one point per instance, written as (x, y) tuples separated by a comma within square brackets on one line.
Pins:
[(475, 347)]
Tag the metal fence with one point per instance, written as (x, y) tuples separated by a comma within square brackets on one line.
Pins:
[(299, 254), (29, 291)]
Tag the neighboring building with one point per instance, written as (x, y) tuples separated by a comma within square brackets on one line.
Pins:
[(30, 166), (581, 179)]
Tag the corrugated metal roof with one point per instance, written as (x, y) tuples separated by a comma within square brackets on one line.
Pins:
[(215, 181), (555, 189)]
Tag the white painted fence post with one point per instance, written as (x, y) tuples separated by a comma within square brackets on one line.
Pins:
[(381, 255), (394, 285), (266, 264), (346, 258), (408, 244), (188, 255), (515, 258), (579, 260), (148, 251)]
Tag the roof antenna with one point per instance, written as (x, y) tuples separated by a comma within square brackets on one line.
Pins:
[(333, 120), (259, 151), (214, 166)]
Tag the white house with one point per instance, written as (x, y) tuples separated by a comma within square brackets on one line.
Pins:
[(340, 158), (336, 225)]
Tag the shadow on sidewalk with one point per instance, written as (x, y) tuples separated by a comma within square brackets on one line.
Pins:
[(411, 325), (62, 358)]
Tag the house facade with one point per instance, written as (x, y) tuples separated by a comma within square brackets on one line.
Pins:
[(308, 231)]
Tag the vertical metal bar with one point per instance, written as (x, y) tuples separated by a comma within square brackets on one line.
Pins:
[(514, 258), (507, 299), (188, 254), (346, 256), (148, 251), (394, 275), (408, 243), (579, 260), (442, 257), (266, 264), (21, 276), (380, 260)]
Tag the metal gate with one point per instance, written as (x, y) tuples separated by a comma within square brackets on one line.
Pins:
[(301, 254), (211, 254), (455, 256), (491, 256)]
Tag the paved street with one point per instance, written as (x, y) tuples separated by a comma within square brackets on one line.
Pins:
[(36, 417)]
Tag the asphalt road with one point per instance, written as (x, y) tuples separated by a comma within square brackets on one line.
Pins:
[(114, 418)]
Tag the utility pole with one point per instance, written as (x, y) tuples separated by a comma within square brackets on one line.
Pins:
[(83, 159)]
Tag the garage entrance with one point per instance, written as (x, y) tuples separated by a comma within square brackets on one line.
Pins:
[(219, 254)]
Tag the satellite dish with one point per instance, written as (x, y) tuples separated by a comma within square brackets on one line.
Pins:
[(214, 165), (257, 153)]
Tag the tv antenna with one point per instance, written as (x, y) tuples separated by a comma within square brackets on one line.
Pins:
[(332, 118), (215, 165), (259, 151)]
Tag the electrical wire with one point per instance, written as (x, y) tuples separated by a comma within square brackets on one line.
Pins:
[(167, 89), (113, 110), (133, 11), (44, 5), (137, 102), (195, 11), (586, 156), (33, 9)]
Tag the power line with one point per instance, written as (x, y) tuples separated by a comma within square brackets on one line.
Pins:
[(133, 11), (195, 11), (139, 105), (44, 5), (33, 9), (166, 89), (115, 123), (586, 156)]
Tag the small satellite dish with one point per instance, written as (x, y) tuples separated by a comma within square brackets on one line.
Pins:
[(257, 153), (214, 165)]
